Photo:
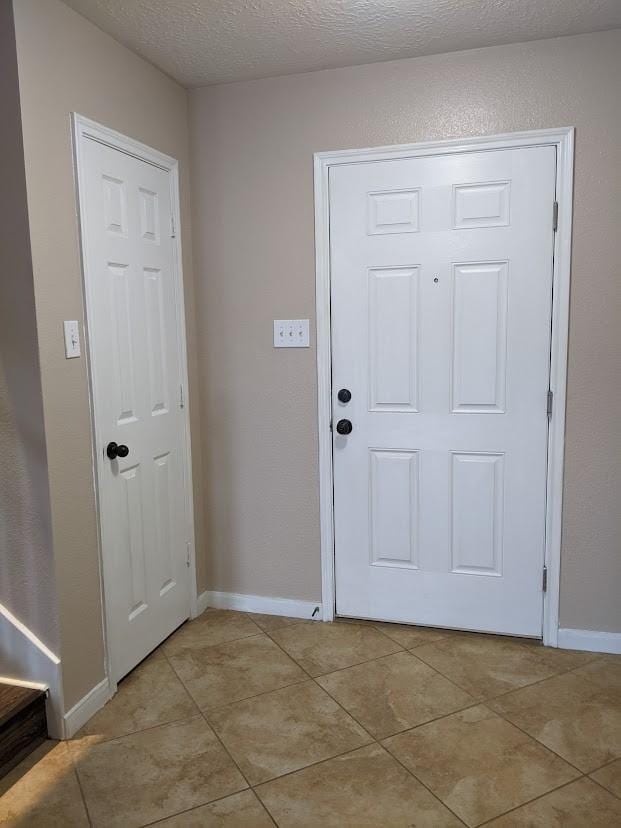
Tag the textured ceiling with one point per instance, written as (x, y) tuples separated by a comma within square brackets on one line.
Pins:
[(201, 42)]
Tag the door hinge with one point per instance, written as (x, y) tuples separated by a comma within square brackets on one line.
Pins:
[(173, 232), (181, 399), (331, 429), (544, 579), (555, 216), (187, 554), (550, 402)]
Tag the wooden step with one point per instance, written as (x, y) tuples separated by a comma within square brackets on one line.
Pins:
[(23, 725)]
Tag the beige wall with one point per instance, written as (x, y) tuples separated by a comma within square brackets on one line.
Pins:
[(252, 146), (66, 64), (26, 560)]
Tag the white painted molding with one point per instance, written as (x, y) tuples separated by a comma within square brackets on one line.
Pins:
[(81, 712), (591, 640), (202, 602), (563, 139), (291, 607)]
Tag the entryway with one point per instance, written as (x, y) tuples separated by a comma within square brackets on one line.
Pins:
[(128, 197), (441, 277)]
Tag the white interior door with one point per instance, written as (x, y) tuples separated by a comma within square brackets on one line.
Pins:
[(441, 273), (136, 362)]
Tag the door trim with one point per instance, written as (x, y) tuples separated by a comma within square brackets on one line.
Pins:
[(84, 129), (563, 140)]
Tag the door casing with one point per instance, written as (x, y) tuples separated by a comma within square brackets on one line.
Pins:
[(563, 140), (85, 129)]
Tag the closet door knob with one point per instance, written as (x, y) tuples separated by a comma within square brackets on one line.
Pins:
[(114, 450)]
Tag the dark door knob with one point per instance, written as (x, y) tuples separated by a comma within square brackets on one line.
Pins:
[(344, 427), (114, 450), (344, 395)]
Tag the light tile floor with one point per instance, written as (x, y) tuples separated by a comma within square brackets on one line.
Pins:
[(247, 721)]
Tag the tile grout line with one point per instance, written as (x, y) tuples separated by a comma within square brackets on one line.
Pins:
[(102, 740), (420, 781), (605, 765), (383, 747), (228, 753), (208, 710), (600, 785), (212, 729), (530, 801), (80, 788), (203, 805), (538, 741), (505, 692), (339, 669)]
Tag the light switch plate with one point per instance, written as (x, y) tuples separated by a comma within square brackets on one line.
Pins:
[(72, 339), (291, 333)]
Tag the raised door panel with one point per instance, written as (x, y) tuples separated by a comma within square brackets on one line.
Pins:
[(481, 205), (393, 339), (122, 344), (156, 340), (393, 211), (477, 493), (393, 502), (130, 526), (479, 337), (165, 501)]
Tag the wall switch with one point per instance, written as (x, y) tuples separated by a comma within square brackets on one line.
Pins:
[(291, 333), (72, 339)]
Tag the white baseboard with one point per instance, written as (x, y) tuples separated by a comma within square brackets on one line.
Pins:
[(291, 607), (202, 602), (82, 711), (592, 640)]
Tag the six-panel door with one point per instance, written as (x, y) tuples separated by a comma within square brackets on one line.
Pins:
[(136, 363), (441, 272)]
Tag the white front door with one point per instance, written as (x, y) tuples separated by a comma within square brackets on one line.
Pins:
[(441, 273), (135, 348)]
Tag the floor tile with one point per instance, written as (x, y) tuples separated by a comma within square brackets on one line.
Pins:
[(273, 622), (214, 626), (363, 789), (577, 715), (610, 777), (242, 810), (153, 774), (488, 665), (43, 791), (394, 693), (478, 764), (285, 730), (410, 636), (150, 695), (233, 671), (321, 648), (579, 805)]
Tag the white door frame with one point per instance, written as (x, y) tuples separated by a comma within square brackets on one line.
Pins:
[(563, 140), (85, 129)]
